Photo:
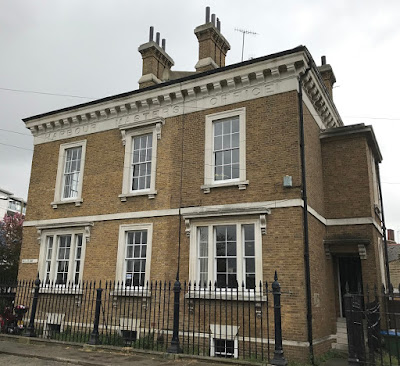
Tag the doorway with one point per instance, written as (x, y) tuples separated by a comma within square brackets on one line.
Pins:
[(350, 273)]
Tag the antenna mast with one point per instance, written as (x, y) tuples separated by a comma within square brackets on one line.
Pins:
[(244, 32)]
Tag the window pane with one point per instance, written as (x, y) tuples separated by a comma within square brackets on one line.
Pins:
[(226, 141), (71, 172), (221, 265), (218, 158), (218, 173), (226, 261), (231, 232), (235, 124), (248, 232), (129, 251), (220, 233), (250, 281), (221, 249), (250, 265), (203, 252), (227, 172), (235, 140), (217, 143), (141, 162), (249, 254), (135, 269), (232, 281), (249, 248), (231, 250), (142, 181), (235, 156), (232, 265), (227, 127), (136, 156), (217, 128), (227, 157), (235, 171), (130, 237)]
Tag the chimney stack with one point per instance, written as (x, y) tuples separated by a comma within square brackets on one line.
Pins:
[(156, 61), (327, 75), (213, 46)]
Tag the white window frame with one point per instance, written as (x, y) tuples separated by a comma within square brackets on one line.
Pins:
[(72, 257), (129, 132), (58, 192), (209, 164), (224, 332), (194, 270), (120, 270)]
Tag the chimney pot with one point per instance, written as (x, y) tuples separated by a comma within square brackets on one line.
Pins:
[(163, 43), (323, 60), (218, 24), (213, 19), (158, 38), (151, 34), (207, 14), (390, 234)]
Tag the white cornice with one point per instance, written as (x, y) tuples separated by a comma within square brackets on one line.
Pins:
[(234, 85), (322, 104), (249, 208)]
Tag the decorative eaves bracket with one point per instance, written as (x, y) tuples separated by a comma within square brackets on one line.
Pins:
[(157, 122), (262, 212), (358, 246), (85, 224)]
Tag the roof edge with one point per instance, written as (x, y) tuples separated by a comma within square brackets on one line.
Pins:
[(300, 48)]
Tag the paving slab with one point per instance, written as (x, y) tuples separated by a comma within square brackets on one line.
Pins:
[(17, 350)]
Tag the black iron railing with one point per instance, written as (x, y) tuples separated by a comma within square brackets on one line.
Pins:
[(163, 316)]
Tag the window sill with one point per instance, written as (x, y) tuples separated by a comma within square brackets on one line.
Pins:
[(127, 292), (241, 185), (150, 194), (77, 201), (226, 295), (62, 290)]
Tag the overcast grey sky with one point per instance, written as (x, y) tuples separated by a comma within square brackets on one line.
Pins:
[(88, 48)]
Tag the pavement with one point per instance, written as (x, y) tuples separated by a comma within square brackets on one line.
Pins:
[(18, 351)]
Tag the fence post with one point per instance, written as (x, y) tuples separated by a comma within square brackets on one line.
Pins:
[(279, 358), (94, 337), (30, 331), (174, 347)]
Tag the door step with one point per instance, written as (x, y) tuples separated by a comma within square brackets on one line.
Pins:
[(341, 336)]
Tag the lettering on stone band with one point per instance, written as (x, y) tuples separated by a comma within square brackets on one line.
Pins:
[(221, 97)]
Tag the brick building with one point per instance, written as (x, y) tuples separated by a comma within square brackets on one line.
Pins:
[(208, 169)]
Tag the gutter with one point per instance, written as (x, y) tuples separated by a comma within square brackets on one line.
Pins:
[(305, 217)]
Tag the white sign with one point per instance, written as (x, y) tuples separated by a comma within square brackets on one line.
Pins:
[(29, 261)]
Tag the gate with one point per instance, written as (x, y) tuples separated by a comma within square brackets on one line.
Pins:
[(372, 328)]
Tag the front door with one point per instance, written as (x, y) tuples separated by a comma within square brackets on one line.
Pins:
[(349, 274)]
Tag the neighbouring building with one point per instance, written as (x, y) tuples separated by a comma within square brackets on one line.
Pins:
[(208, 166), (9, 204), (393, 259)]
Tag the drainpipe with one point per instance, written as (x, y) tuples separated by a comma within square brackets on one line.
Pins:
[(305, 218), (383, 229)]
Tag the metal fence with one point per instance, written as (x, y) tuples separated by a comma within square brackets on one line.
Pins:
[(162, 316), (373, 326)]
